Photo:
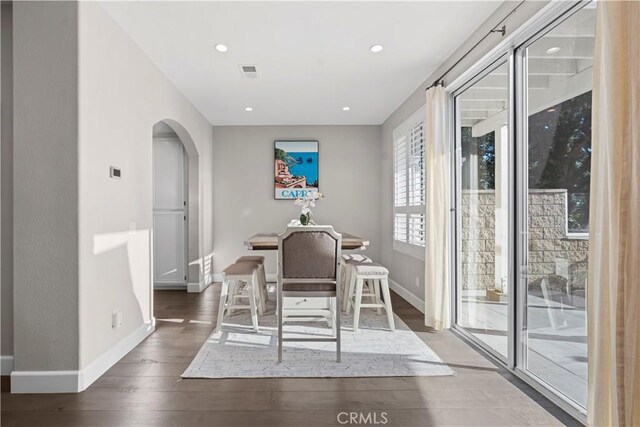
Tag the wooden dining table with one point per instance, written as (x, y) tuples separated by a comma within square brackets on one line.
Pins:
[(269, 242)]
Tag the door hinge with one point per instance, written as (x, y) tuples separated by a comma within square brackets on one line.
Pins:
[(184, 203), (185, 217), (185, 277)]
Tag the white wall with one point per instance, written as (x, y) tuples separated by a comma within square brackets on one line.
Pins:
[(408, 271), (243, 185), (122, 94)]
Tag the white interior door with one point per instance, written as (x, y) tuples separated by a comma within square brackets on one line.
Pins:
[(169, 213)]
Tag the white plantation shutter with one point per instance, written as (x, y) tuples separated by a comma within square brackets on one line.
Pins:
[(416, 166), (400, 188), (416, 229), (409, 186), (400, 227), (401, 174)]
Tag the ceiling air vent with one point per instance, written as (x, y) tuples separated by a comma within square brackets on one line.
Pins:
[(249, 71)]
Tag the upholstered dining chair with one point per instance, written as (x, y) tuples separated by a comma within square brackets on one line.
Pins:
[(309, 267)]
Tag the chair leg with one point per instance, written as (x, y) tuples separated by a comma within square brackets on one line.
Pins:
[(358, 301), (256, 288), (337, 317), (224, 293), (347, 283), (349, 296), (263, 287), (253, 306), (376, 290), (264, 280), (280, 322), (384, 283), (343, 277), (333, 307), (234, 287)]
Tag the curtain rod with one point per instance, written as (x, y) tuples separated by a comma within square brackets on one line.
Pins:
[(502, 31)]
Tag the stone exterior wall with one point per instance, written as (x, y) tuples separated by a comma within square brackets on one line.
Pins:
[(478, 239), (551, 252)]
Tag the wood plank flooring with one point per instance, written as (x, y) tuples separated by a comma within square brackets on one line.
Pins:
[(145, 388)]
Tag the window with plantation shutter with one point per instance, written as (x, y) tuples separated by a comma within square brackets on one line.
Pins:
[(409, 186)]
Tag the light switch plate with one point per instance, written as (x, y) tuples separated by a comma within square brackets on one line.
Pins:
[(115, 172)]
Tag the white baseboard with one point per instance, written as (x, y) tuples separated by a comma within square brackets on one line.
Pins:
[(271, 277), (45, 381), (76, 381), (169, 287), (199, 287), (407, 296), (6, 365), (103, 363)]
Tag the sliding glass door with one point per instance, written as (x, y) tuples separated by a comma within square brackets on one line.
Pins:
[(522, 205), (558, 71), (483, 155)]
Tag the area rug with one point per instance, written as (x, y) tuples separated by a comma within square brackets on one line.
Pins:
[(372, 351)]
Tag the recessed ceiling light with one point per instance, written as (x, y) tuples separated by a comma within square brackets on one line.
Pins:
[(376, 48), (248, 109), (553, 50), (221, 47), (345, 108), (551, 110)]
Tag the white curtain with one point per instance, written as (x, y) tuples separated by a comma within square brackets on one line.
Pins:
[(437, 290), (614, 226)]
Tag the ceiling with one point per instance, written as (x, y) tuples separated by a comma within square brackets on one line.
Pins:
[(558, 66), (313, 58)]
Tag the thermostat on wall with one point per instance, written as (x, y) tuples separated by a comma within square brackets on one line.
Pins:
[(115, 172)]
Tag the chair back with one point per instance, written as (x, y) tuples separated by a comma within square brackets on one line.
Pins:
[(309, 253), (309, 266)]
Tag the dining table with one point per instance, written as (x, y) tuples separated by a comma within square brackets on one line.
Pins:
[(269, 242)]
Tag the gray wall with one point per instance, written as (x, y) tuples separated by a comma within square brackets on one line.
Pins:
[(6, 137), (45, 185), (404, 269), (243, 185)]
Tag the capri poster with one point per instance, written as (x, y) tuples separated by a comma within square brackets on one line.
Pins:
[(296, 169)]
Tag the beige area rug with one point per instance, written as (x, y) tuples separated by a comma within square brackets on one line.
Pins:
[(373, 351)]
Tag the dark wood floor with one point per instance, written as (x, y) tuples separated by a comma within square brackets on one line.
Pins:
[(145, 388)]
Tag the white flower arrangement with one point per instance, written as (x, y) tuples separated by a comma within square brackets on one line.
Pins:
[(306, 203)]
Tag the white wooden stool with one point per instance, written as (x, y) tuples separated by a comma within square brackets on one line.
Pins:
[(233, 279), (348, 260), (378, 275), (264, 293)]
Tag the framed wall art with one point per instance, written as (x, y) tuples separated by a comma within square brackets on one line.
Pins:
[(296, 169)]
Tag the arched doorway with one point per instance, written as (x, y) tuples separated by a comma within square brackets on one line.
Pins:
[(175, 209)]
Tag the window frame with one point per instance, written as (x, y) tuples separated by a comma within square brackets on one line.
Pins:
[(404, 131)]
